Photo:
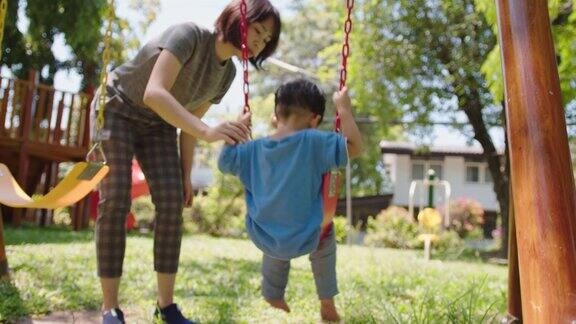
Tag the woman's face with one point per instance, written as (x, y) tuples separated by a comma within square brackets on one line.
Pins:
[(259, 34)]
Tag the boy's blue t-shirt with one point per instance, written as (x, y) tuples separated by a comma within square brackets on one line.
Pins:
[(283, 183)]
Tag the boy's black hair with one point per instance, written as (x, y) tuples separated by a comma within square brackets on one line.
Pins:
[(299, 94)]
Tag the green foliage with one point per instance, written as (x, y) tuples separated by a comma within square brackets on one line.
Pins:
[(449, 245), (11, 304), (144, 212), (221, 211), (563, 19), (81, 24), (393, 228), (341, 229), (312, 39), (219, 280)]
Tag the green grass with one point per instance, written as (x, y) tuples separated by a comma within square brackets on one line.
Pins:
[(219, 282)]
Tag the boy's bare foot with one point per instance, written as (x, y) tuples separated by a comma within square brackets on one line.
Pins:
[(279, 303), (328, 311)]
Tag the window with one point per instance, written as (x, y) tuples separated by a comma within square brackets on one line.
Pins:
[(487, 175), (437, 169), (417, 171), (473, 174), (420, 170)]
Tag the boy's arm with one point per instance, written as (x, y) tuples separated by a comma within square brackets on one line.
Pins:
[(347, 123)]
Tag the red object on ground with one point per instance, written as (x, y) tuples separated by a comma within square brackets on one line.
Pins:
[(139, 188)]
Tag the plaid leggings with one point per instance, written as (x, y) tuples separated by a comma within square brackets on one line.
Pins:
[(140, 132)]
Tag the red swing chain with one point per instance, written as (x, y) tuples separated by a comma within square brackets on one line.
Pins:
[(345, 54), (244, 48), (331, 179)]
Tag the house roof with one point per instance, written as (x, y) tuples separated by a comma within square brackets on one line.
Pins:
[(438, 151)]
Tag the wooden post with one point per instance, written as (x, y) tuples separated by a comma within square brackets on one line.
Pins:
[(24, 160), (544, 193), (3, 258), (514, 295)]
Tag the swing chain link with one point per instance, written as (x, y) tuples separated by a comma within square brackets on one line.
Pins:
[(244, 48), (3, 9), (101, 100), (345, 54)]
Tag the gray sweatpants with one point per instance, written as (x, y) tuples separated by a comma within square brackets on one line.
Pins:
[(275, 271)]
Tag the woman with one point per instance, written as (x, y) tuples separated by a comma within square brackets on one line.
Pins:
[(170, 84)]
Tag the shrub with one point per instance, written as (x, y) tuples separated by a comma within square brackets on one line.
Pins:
[(465, 216), (341, 229), (221, 211), (393, 228), (448, 246), (144, 212)]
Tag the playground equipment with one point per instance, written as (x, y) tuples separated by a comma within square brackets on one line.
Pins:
[(544, 266), (85, 175), (542, 179), (429, 220), (40, 143), (428, 186), (331, 180)]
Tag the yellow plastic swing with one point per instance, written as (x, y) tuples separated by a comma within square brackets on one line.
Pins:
[(84, 176), (79, 182)]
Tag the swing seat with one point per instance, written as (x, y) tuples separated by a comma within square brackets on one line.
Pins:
[(79, 182)]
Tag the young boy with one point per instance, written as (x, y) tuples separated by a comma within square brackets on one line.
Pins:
[(282, 176)]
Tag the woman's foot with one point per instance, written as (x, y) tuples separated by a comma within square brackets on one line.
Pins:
[(279, 303), (328, 311)]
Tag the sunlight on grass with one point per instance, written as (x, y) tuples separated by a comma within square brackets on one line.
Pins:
[(219, 282)]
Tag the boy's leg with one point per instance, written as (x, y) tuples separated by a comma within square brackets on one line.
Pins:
[(324, 269), (274, 281)]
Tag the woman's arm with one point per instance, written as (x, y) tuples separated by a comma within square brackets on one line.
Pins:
[(188, 142), (187, 146), (157, 96)]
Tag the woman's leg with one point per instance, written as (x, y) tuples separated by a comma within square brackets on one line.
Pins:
[(157, 153), (113, 207)]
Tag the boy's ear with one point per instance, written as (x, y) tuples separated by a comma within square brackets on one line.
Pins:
[(315, 120)]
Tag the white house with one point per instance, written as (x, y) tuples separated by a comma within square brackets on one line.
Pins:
[(463, 167)]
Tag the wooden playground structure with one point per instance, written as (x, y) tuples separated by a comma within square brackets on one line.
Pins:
[(40, 127), (542, 258)]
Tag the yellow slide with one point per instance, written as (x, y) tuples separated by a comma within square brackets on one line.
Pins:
[(78, 183)]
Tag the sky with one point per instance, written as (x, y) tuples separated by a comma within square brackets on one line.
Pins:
[(205, 12)]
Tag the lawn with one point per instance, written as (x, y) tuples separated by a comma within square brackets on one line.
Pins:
[(218, 282)]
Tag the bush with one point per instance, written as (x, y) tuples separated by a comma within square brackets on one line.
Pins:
[(466, 215), (448, 246), (393, 228), (341, 229), (221, 211), (144, 212)]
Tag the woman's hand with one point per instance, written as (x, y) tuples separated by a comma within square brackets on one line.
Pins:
[(232, 132), (188, 191)]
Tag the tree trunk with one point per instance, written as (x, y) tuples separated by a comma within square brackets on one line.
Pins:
[(498, 169)]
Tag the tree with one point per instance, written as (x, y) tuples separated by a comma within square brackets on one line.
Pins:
[(81, 24), (428, 60), (308, 35)]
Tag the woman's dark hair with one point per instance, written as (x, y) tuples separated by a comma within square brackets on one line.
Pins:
[(228, 25), (299, 94)]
